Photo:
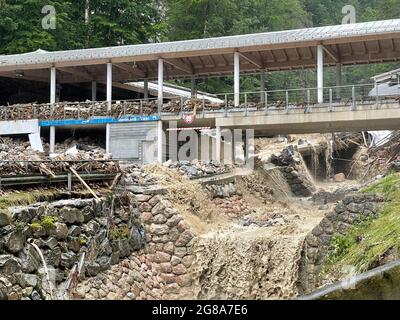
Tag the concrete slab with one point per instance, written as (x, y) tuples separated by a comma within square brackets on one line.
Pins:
[(19, 127)]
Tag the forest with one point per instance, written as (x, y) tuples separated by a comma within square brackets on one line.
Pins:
[(97, 23)]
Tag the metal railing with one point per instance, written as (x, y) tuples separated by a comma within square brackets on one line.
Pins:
[(351, 96)]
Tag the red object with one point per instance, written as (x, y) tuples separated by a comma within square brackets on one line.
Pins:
[(188, 119)]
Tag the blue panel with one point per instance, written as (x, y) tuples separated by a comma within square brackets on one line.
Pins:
[(94, 121)]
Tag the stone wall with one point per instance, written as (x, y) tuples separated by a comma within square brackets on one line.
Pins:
[(162, 270), (64, 231), (295, 172), (318, 243)]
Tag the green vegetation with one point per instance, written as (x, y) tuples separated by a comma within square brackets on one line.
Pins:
[(124, 22), (35, 225), (83, 240), (19, 225), (48, 222), (119, 233), (26, 198), (367, 242)]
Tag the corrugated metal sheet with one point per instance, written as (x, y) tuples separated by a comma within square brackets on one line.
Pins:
[(126, 139)]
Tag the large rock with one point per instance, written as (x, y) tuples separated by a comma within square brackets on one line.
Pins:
[(15, 241), (30, 260), (53, 257), (4, 218), (340, 177), (72, 215), (26, 280), (136, 239), (68, 259), (159, 230), (92, 228), (184, 238), (9, 264), (60, 231), (92, 269), (124, 248)]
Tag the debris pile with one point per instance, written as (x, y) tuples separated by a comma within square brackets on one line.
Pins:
[(18, 158), (133, 174), (198, 169), (88, 109)]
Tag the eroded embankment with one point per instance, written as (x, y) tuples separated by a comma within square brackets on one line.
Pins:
[(246, 245)]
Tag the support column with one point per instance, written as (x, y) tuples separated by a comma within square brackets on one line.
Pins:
[(109, 102), (194, 87), (53, 88), (160, 135), (262, 85), (218, 144), (338, 80), (146, 89), (160, 84), (94, 91), (320, 73), (237, 78)]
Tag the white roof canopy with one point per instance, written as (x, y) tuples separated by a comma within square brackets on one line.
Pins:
[(359, 43)]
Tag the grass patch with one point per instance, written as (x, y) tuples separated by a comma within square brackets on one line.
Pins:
[(369, 240), (25, 198)]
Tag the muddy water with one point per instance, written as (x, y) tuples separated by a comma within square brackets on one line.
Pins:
[(246, 264)]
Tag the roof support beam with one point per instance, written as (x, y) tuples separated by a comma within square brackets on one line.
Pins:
[(132, 70), (180, 65), (331, 53), (252, 60), (76, 72)]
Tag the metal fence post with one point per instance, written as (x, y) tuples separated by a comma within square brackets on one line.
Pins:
[(353, 94), (266, 102), (377, 95), (226, 105), (287, 101), (308, 100), (330, 100), (245, 105), (69, 181)]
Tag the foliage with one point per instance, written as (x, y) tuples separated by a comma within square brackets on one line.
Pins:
[(19, 225), (119, 22), (370, 240), (35, 225), (48, 222), (83, 240), (119, 233)]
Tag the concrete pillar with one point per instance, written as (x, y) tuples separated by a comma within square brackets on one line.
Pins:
[(237, 78), (194, 87), (109, 84), (262, 85), (320, 73), (160, 135), (94, 91), (53, 88), (218, 144), (52, 139), (146, 89), (160, 84), (109, 102), (338, 80)]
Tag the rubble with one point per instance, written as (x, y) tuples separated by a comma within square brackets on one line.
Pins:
[(89, 109), (18, 158), (198, 169)]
